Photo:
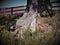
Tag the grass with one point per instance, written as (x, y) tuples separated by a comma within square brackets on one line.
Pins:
[(36, 38)]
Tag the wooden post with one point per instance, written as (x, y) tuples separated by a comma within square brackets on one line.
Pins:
[(11, 11)]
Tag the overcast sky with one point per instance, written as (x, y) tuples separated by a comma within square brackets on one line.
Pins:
[(12, 3)]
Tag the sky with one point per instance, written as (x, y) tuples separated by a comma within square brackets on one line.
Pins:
[(14, 3)]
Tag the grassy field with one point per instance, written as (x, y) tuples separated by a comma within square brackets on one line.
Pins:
[(36, 38)]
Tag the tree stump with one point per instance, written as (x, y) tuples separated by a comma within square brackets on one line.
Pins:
[(34, 10)]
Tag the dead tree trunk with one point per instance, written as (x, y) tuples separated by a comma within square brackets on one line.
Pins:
[(34, 7)]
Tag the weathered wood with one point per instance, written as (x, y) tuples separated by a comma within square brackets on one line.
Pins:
[(40, 6), (29, 19)]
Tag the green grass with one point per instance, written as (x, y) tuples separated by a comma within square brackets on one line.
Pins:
[(36, 38)]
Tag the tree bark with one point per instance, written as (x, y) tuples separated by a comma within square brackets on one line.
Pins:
[(34, 7)]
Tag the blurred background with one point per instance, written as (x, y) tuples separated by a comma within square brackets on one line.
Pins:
[(14, 3)]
